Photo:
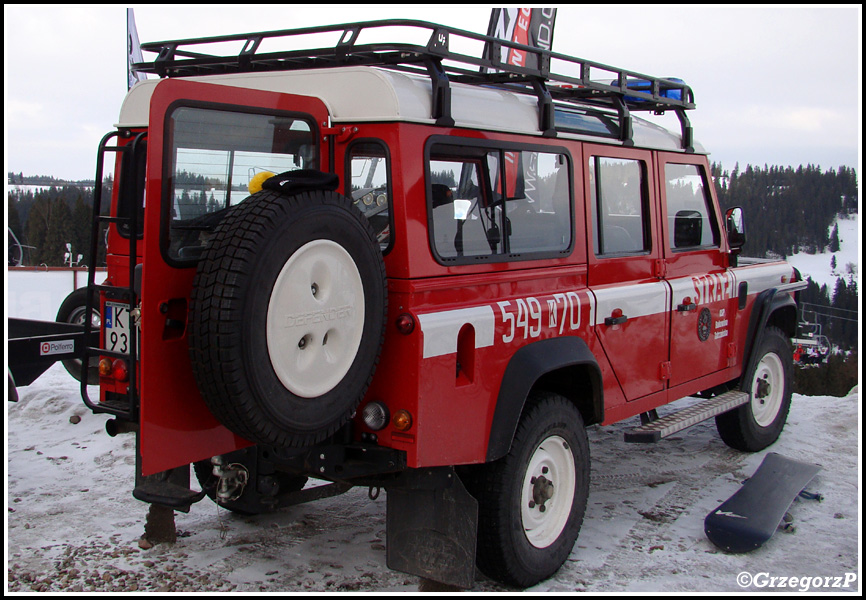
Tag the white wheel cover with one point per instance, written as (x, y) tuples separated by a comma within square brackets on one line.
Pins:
[(315, 318), (554, 461), (766, 403)]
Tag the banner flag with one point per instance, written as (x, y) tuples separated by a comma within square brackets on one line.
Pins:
[(528, 26), (133, 50)]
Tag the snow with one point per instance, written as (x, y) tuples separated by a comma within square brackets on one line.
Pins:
[(817, 266), (73, 525)]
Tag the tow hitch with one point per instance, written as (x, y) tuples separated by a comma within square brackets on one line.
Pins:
[(233, 478)]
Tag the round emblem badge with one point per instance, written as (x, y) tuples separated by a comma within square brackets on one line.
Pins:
[(705, 321)]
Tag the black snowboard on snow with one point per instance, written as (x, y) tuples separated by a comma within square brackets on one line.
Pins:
[(750, 517)]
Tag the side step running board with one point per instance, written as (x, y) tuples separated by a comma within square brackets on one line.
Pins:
[(672, 423)]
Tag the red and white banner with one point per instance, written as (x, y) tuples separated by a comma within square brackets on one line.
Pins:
[(530, 27), (527, 26)]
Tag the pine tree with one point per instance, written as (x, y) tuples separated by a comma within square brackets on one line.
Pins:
[(80, 234), (59, 234), (38, 220), (13, 220), (834, 239)]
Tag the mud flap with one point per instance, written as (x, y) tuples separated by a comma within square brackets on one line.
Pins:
[(432, 525)]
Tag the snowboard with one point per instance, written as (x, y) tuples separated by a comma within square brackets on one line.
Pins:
[(746, 520)]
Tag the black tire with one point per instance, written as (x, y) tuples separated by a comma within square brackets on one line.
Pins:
[(261, 356), (757, 424), (252, 501), (73, 310), (520, 543)]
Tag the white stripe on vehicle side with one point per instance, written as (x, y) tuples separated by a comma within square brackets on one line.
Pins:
[(639, 300), (442, 328), (764, 277), (704, 289)]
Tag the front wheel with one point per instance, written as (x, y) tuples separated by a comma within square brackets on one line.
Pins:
[(758, 423), (532, 501)]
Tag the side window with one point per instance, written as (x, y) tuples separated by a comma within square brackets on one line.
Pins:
[(472, 217), (214, 155), (690, 219), (620, 206), (370, 174), (539, 216), (465, 220)]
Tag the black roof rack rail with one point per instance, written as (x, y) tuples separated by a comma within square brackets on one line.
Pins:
[(549, 76)]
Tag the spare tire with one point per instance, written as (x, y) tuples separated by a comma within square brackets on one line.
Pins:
[(287, 316)]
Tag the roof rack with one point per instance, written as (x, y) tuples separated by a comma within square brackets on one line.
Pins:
[(548, 76)]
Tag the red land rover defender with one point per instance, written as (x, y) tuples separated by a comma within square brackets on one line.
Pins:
[(411, 268)]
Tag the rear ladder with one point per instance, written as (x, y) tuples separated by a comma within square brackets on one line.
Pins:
[(125, 408)]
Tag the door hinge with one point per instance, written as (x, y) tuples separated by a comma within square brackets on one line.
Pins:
[(665, 370), (341, 134), (659, 268)]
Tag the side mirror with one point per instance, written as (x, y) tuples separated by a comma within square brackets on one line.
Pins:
[(736, 226)]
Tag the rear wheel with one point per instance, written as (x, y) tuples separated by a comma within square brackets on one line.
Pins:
[(532, 501), (287, 317), (758, 423)]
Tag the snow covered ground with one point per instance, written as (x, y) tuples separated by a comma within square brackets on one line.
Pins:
[(817, 266), (73, 525)]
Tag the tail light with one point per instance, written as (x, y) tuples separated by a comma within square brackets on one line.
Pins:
[(402, 420), (116, 369)]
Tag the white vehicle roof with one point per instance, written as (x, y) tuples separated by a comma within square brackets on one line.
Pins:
[(370, 94)]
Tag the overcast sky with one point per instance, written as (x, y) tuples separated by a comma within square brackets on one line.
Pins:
[(773, 84)]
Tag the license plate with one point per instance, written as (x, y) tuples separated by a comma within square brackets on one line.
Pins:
[(116, 327)]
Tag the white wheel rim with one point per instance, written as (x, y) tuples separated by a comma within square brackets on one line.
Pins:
[(544, 521), (315, 318), (78, 317), (768, 389)]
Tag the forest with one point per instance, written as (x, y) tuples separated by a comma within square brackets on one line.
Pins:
[(46, 220), (788, 210)]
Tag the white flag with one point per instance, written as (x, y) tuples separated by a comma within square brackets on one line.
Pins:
[(133, 50)]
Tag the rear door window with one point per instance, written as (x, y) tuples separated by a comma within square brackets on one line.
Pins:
[(214, 154)]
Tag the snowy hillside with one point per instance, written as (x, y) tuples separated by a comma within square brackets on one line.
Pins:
[(817, 266)]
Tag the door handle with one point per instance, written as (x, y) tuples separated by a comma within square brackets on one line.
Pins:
[(687, 306), (615, 320)]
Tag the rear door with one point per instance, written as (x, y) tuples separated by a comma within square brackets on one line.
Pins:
[(631, 300), (206, 142), (704, 302)]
